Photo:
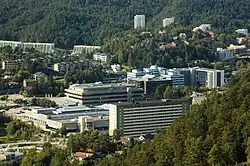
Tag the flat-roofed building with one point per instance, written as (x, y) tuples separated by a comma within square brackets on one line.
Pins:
[(168, 21), (41, 47), (149, 85), (139, 21), (96, 93), (11, 64), (52, 118), (210, 78), (79, 49), (135, 119), (87, 123), (12, 44)]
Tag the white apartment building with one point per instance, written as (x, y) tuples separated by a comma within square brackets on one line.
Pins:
[(100, 57), (168, 21), (79, 49), (136, 119), (12, 44), (139, 21), (96, 93), (42, 47)]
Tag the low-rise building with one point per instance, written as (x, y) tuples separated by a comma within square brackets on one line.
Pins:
[(69, 117), (41, 47), (225, 54), (197, 98), (136, 119), (80, 49), (10, 156), (168, 21), (11, 64), (12, 44), (96, 93), (116, 68), (60, 67), (242, 31), (100, 57)]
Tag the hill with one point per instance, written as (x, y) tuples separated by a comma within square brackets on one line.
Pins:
[(69, 22), (223, 15), (217, 132)]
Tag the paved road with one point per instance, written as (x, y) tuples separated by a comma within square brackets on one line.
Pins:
[(27, 143)]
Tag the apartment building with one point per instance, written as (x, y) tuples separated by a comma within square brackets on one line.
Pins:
[(11, 64), (168, 21), (135, 119), (100, 57), (96, 93), (79, 49), (139, 21), (41, 47), (12, 44)]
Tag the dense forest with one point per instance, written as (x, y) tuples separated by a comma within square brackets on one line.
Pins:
[(217, 133), (69, 22)]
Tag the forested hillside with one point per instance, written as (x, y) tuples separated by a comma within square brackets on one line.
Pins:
[(69, 22), (216, 133), (225, 15)]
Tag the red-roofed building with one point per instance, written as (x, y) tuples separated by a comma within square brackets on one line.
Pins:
[(83, 155), (13, 83)]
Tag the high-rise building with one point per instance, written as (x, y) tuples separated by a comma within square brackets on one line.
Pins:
[(135, 119), (139, 21), (96, 93), (168, 21)]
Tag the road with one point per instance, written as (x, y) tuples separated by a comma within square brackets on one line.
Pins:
[(28, 143)]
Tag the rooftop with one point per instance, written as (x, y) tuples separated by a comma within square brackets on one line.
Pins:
[(99, 85), (151, 102)]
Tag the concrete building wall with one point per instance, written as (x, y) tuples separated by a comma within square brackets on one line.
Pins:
[(133, 120), (139, 21)]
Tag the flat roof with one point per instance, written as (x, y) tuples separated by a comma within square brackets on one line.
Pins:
[(100, 85), (151, 102)]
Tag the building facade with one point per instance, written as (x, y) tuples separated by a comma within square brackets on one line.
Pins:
[(100, 57), (168, 21), (11, 64), (135, 119), (79, 49), (42, 47), (225, 54), (139, 21), (97, 93)]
